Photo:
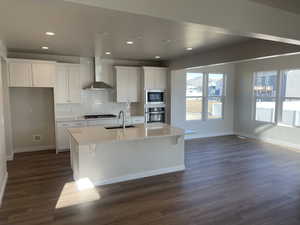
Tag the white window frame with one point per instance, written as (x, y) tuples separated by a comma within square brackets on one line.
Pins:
[(205, 97), (254, 97), (202, 97), (279, 98), (222, 97), (282, 98)]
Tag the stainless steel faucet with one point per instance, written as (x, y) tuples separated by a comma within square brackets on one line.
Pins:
[(123, 118)]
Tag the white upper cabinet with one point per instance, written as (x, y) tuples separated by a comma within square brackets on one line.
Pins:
[(128, 84), (155, 78), (62, 84), (20, 74), (74, 84), (30, 73), (43, 74), (68, 88)]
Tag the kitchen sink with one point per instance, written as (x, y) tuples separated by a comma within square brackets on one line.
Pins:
[(119, 127)]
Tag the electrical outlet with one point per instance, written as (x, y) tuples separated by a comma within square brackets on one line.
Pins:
[(36, 138)]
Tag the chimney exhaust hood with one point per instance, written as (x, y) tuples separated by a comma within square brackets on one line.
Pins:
[(99, 83)]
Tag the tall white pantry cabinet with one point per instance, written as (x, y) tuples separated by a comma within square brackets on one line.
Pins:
[(68, 85)]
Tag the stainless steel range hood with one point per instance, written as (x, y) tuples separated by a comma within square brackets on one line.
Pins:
[(99, 83)]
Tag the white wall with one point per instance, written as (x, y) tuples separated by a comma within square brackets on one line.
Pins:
[(209, 127), (243, 107), (3, 157), (7, 113)]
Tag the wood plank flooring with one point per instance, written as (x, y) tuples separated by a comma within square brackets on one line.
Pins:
[(228, 181)]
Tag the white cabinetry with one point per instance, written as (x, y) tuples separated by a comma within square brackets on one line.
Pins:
[(31, 73), (68, 88), (62, 135), (43, 74), (137, 119), (128, 83), (155, 78), (20, 74)]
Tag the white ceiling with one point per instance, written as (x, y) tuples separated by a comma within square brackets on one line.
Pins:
[(287, 5), (80, 28)]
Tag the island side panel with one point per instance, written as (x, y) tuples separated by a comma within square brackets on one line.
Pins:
[(120, 161), (74, 157)]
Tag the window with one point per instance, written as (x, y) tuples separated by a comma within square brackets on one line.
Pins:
[(204, 96), (194, 96), (290, 98), (265, 94), (215, 96)]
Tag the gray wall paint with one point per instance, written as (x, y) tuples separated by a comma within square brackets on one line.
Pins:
[(209, 127), (7, 114), (3, 157), (32, 112), (243, 107)]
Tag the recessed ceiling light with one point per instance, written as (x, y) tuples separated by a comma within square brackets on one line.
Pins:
[(107, 53), (189, 49), (129, 42), (45, 48), (49, 33), (157, 57)]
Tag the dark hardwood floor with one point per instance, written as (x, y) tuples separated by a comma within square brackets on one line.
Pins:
[(228, 181)]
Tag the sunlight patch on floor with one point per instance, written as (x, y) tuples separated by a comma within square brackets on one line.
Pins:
[(77, 192)]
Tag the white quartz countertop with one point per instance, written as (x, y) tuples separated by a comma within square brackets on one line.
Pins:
[(81, 118), (98, 134)]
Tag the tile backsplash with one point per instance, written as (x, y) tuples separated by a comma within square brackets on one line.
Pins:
[(92, 102)]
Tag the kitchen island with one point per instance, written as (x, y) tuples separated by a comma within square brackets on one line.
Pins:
[(106, 156)]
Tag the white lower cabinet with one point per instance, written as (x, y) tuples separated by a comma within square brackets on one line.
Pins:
[(62, 135), (137, 119), (102, 122)]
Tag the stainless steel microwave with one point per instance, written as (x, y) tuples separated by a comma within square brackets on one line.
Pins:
[(155, 97)]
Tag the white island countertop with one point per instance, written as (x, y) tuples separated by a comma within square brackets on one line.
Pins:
[(99, 134)]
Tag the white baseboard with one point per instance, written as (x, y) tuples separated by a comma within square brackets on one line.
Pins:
[(2, 187), (270, 140), (34, 148), (138, 175), (197, 135)]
